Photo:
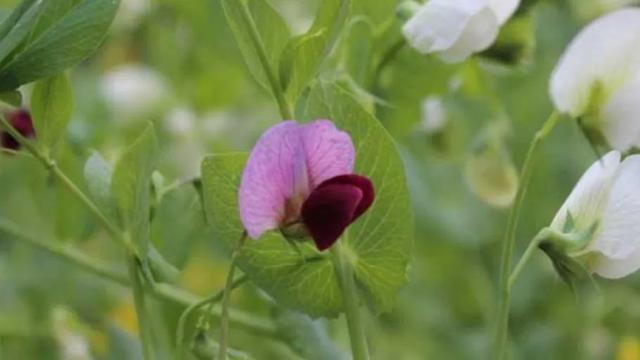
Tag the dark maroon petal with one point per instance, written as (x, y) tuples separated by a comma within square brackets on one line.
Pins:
[(21, 121), (329, 210), (363, 183)]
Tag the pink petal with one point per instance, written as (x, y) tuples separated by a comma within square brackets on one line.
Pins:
[(286, 164), (329, 210), (329, 151)]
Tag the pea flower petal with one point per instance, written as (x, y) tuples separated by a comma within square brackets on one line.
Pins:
[(455, 29), (598, 77), (334, 205), (608, 196), (286, 164)]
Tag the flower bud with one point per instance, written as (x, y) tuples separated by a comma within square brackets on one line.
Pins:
[(21, 121)]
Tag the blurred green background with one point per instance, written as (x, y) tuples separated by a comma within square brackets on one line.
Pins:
[(175, 62)]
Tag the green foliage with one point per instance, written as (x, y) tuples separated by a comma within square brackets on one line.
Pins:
[(381, 242), (307, 337), (131, 187), (51, 108), (47, 37), (305, 54), (13, 98), (97, 175), (379, 253), (270, 26)]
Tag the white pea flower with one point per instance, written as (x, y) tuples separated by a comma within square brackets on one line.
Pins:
[(599, 219), (133, 90), (434, 116), (597, 80), (456, 29)]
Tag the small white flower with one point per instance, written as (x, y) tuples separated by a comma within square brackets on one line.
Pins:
[(598, 78), (455, 29), (434, 117), (130, 12), (607, 199), (133, 90), (180, 122)]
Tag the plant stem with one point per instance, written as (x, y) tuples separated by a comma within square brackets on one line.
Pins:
[(533, 245), (51, 165), (226, 296), (258, 44), (67, 253), (146, 335), (502, 322), (344, 272), (165, 292), (180, 332)]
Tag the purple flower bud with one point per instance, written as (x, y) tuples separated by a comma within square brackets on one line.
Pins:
[(21, 121)]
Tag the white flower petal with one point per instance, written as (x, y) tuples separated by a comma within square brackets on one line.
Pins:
[(621, 117), (504, 9), (619, 234), (607, 52), (588, 198), (616, 269), (481, 31), (439, 23)]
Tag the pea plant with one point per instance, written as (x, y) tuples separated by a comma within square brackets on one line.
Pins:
[(312, 215)]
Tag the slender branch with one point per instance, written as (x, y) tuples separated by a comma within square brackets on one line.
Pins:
[(14, 152), (226, 296), (216, 297), (165, 292), (502, 322), (146, 335), (344, 272), (258, 44), (67, 253), (389, 55), (51, 165), (533, 245)]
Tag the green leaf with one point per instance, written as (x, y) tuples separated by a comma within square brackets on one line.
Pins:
[(13, 98), (131, 187), (307, 337), (51, 108), (10, 22), (273, 31), (98, 174), (19, 31), (67, 32), (382, 240), (359, 49), (305, 54), (379, 243)]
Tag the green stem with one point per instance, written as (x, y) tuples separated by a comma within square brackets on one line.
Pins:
[(51, 165), (533, 245), (146, 336), (165, 292), (344, 272), (180, 332), (67, 253), (226, 296), (258, 44), (502, 322)]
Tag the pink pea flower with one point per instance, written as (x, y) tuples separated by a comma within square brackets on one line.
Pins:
[(300, 176), (21, 120)]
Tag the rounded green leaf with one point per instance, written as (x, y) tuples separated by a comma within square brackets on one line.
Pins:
[(379, 243)]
